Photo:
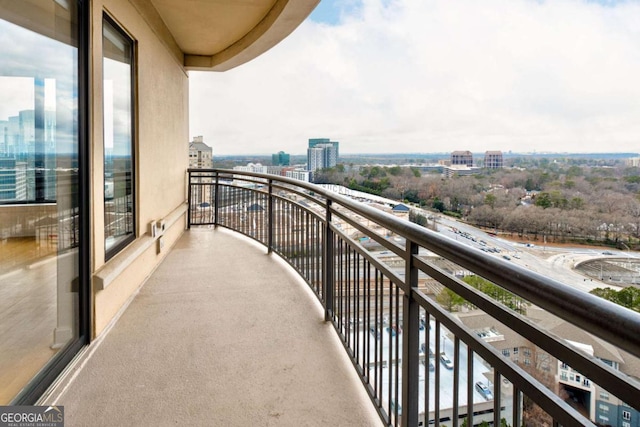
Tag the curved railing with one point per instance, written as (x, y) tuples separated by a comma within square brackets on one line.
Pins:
[(376, 276)]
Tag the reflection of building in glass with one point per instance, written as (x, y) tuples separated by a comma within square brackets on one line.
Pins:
[(35, 147), (322, 153), (4, 136), (200, 154), (13, 181)]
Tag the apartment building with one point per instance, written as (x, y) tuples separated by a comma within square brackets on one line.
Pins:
[(322, 153), (200, 154), (600, 404)]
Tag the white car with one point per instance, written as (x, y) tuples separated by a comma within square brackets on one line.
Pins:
[(448, 363), (484, 390)]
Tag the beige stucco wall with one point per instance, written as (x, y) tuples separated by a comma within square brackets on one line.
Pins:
[(161, 156)]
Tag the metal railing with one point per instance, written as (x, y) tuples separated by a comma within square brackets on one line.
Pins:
[(421, 365)]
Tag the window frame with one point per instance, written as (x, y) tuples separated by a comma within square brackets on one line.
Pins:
[(118, 247)]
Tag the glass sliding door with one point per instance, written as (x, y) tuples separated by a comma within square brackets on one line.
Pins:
[(40, 221)]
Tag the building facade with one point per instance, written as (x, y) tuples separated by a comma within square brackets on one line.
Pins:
[(322, 153), (493, 160), (200, 154), (633, 162), (299, 174), (601, 405), (280, 159), (462, 158)]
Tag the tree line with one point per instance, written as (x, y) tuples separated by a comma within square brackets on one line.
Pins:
[(560, 201)]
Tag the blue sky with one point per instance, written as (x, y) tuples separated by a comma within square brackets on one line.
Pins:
[(435, 76), (328, 12)]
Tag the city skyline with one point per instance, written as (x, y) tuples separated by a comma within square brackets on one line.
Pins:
[(405, 76)]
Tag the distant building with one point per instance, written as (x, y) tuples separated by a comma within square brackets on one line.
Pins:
[(401, 211), (280, 159), (252, 167), (299, 174), (322, 153), (460, 170), (633, 162), (493, 160), (200, 154), (463, 158)]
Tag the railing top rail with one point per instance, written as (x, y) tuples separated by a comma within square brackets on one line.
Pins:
[(613, 323)]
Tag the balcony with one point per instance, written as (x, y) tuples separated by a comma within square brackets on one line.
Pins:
[(224, 330), (220, 334)]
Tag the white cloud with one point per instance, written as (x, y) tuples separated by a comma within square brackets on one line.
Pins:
[(434, 76)]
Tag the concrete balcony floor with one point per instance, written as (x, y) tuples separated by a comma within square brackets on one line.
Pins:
[(222, 334)]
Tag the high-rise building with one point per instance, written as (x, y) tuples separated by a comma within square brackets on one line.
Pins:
[(200, 154), (322, 153), (493, 160), (13, 182), (280, 159), (462, 158)]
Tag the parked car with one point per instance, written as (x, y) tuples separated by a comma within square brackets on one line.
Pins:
[(507, 257), (448, 363), (484, 390)]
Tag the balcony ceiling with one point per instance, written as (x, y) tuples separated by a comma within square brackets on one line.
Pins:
[(222, 34)]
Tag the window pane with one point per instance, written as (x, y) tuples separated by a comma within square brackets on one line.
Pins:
[(118, 138), (39, 227)]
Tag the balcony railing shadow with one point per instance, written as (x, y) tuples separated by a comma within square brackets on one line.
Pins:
[(420, 364)]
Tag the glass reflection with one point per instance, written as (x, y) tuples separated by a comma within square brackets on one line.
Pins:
[(38, 188), (118, 138)]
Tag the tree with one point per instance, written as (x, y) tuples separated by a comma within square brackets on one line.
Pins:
[(418, 218), (449, 299), (627, 297), (499, 294), (490, 200), (438, 204), (543, 200)]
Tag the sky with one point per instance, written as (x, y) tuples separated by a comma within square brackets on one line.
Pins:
[(425, 76)]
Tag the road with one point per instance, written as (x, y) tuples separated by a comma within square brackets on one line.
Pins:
[(554, 262)]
